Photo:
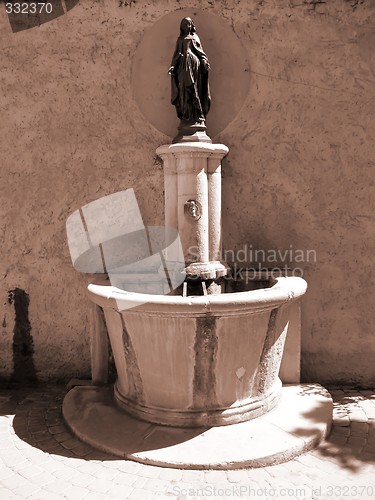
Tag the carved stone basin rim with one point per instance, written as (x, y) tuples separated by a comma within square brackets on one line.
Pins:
[(285, 290)]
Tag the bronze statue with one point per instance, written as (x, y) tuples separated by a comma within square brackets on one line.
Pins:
[(190, 89)]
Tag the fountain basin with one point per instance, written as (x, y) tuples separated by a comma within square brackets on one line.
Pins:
[(198, 361)]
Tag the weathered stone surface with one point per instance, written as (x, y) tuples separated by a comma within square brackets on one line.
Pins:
[(198, 360), (299, 173), (192, 190), (298, 424)]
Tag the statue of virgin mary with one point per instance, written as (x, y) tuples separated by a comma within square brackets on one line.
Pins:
[(189, 75)]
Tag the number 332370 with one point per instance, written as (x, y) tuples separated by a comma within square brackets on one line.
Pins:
[(28, 8)]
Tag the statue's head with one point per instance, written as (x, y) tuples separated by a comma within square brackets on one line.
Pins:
[(187, 26)]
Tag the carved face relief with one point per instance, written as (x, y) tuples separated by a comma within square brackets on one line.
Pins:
[(193, 209)]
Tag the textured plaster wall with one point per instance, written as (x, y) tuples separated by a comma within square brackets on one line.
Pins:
[(300, 170)]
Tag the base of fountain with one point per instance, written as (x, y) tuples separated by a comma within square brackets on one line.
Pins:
[(236, 413), (298, 424)]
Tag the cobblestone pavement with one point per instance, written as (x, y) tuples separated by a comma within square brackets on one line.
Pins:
[(40, 458)]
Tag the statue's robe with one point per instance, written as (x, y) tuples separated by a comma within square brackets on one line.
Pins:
[(201, 80)]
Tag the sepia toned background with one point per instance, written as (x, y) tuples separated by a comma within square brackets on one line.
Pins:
[(296, 107)]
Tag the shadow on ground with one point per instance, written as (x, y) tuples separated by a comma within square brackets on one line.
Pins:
[(38, 421), (351, 441)]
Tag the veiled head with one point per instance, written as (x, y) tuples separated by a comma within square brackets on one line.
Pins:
[(187, 26)]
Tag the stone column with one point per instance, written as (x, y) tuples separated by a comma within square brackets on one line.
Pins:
[(193, 207), (170, 190), (192, 180), (214, 208), (170, 204)]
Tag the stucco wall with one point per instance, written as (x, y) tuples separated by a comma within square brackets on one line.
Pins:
[(299, 174)]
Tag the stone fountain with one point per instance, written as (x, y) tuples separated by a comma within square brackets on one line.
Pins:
[(198, 358)]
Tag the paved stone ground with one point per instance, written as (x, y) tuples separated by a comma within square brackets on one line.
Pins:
[(40, 458)]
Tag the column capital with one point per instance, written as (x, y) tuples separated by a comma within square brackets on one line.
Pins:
[(193, 149)]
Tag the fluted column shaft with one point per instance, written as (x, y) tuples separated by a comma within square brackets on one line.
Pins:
[(192, 183)]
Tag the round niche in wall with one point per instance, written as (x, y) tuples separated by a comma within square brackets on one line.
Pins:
[(229, 76)]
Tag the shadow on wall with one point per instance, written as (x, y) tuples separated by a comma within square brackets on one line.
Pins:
[(23, 345), (26, 15)]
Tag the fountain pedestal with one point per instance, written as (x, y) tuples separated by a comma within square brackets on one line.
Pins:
[(192, 188)]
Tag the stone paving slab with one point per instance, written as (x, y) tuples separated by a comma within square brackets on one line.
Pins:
[(41, 459), (300, 421)]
